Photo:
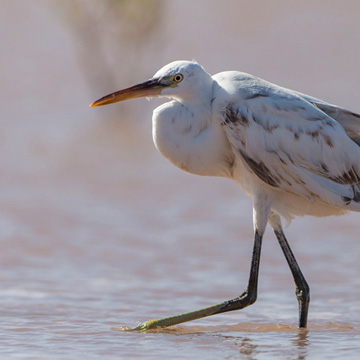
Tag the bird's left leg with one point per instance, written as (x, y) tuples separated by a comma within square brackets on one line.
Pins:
[(302, 287), (248, 297)]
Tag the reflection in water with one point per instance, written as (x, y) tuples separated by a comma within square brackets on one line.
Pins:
[(300, 342), (253, 340), (248, 349)]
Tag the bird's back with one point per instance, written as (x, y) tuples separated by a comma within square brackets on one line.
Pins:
[(302, 149)]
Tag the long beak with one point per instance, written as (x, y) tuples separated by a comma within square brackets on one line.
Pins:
[(150, 87)]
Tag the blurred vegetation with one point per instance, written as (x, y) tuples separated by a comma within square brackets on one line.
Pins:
[(108, 38), (108, 34)]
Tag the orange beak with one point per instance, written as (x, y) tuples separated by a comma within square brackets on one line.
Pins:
[(150, 87)]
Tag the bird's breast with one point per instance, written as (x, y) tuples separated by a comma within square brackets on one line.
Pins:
[(192, 141)]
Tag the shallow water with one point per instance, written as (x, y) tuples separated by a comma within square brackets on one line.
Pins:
[(98, 231), (81, 256)]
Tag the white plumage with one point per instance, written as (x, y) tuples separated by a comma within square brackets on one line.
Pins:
[(276, 139), (292, 154)]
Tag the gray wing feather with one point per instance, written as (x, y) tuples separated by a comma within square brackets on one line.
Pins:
[(295, 142), (349, 120)]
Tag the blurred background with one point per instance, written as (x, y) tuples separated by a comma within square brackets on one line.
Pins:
[(93, 221)]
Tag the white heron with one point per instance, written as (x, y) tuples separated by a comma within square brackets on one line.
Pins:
[(292, 154)]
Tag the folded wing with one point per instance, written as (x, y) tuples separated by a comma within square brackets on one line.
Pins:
[(295, 143)]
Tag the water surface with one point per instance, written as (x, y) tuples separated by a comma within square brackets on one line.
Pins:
[(97, 230)]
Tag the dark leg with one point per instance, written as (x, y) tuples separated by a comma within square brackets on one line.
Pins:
[(247, 298), (302, 287)]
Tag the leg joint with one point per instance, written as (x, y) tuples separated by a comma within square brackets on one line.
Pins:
[(252, 298), (249, 297), (303, 293)]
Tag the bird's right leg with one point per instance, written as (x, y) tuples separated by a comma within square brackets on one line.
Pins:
[(302, 287), (248, 297)]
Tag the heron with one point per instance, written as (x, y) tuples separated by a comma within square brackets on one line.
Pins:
[(291, 153)]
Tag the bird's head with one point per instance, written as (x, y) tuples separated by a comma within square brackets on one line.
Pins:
[(179, 79)]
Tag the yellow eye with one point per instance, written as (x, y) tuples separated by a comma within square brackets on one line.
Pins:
[(178, 78)]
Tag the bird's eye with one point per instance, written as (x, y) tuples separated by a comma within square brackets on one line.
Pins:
[(178, 78)]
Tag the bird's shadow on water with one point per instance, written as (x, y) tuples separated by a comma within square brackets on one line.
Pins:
[(240, 335), (252, 327), (252, 347), (252, 340)]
